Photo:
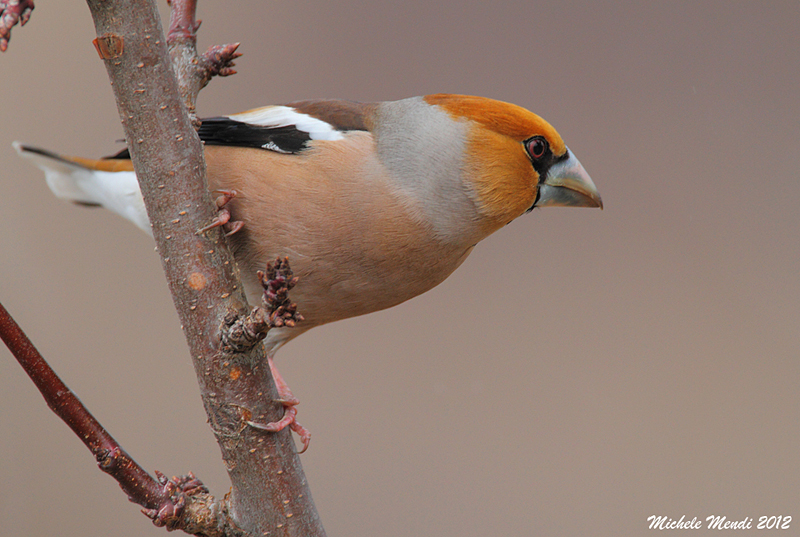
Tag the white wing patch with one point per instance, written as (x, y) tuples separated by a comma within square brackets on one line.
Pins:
[(283, 116), (272, 146)]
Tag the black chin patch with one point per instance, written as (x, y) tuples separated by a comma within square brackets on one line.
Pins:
[(535, 201)]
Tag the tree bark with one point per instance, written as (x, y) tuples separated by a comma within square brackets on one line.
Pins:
[(269, 495)]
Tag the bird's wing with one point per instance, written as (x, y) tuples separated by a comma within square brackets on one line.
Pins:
[(287, 128)]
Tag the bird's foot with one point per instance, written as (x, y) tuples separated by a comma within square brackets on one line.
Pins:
[(289, 402), (223, 217), (289, 419)]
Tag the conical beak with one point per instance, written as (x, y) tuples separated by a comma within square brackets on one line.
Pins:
[(568, 185)]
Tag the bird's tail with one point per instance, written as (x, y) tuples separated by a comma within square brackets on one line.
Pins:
[(110, 183)]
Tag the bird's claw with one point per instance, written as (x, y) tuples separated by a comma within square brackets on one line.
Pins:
[(223, 217), (289, 419)]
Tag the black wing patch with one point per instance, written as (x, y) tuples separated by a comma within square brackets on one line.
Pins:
[(226, 131), (342, 116)]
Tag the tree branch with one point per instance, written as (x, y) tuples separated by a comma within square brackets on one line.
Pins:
[(178, 503), (192, 70), (269, 491), (112, 459)]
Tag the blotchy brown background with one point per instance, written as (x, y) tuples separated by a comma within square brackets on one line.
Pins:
[(582, 371)]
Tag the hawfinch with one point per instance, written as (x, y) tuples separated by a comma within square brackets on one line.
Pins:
[(374, 203)]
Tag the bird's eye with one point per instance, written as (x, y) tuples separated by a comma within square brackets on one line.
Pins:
[(536, 147)]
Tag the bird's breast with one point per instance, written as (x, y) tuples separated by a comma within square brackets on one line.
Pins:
[(356, 243)]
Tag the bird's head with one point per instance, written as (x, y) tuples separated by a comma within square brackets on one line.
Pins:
[(515, 160)]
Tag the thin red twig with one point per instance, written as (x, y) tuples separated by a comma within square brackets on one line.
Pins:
[(194, 70), (182, 23), (140, 487)]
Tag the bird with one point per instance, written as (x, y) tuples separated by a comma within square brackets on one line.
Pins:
[(374, 203)]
